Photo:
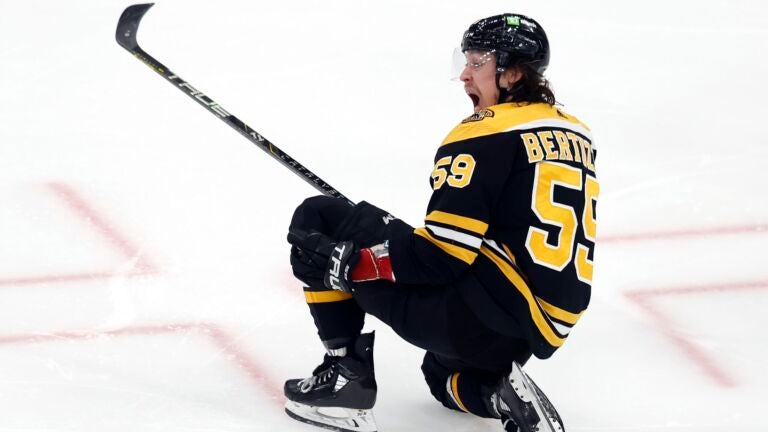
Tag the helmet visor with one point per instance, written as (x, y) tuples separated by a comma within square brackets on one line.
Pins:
[(472, 58)]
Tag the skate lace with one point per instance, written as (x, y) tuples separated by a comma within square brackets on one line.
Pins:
[(309, 383)]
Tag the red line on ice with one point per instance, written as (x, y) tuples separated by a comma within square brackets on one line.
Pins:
[(224, 341), (707, 363), (104, 228), (229, 345), (74, 277), (683, 233), (698, 289)]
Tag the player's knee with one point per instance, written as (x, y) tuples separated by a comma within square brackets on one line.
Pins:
[(436, 375), (458, 391), (317, 201), (313, 206), (308, 216), (320, 213)]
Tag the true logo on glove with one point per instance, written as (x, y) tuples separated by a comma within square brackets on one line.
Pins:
[(333, 272)]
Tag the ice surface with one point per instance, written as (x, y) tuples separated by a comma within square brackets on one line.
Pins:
[(143, 267)]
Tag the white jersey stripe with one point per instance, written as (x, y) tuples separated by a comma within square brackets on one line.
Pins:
[(563, 330), (463, 238), (495, 246)]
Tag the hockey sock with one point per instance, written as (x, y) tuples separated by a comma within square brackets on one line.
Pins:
[(340, 346), (336, 316), (469, 394)]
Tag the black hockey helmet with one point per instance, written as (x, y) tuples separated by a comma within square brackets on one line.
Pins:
[(516, 39)]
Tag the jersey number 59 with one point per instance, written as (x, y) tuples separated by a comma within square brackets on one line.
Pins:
[(547, 176), (460, 171)]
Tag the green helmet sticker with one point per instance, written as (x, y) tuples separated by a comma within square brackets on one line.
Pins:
[(513, 21)]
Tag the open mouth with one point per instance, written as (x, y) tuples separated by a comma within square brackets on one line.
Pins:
[(475, 99)]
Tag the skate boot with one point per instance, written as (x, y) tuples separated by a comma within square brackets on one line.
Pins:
[(522, 406), (340, 393)]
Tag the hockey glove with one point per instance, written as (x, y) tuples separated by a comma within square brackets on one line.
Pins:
[(350, 264), (344, 257), (368, 225), (310, 252), (316, 259)]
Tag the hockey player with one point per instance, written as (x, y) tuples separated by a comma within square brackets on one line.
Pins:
[(501, 269)]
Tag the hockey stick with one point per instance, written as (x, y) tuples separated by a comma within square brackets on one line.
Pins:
[(128, 26)]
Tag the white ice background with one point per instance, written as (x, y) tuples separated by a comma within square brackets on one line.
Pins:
[(144, 281)]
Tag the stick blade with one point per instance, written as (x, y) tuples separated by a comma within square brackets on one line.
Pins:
[(128, 25)]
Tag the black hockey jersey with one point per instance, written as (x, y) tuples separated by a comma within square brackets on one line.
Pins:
[(511, 221)]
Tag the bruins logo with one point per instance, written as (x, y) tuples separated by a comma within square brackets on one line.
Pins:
[(478, 116)]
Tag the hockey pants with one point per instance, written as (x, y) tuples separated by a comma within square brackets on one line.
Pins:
[(463, 356)]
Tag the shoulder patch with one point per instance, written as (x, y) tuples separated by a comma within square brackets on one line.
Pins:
[(479, 116)]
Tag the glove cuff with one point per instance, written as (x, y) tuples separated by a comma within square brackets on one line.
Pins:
[(374, 264)]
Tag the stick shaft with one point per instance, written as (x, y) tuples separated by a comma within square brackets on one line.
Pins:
[(126, 36)]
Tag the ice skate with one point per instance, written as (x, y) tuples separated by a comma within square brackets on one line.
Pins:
[(523, 407), (340, 393)]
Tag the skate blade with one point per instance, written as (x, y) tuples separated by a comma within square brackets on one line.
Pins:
[(335, 419), (525, 390)]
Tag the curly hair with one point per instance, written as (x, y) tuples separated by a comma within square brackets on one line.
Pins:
[(533, 87)]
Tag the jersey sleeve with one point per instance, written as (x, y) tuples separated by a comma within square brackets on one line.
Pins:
[(467, 182)]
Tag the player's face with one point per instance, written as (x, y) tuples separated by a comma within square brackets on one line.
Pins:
[(479, 77)]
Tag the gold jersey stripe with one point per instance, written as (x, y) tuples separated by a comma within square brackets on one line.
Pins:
[(509, 254), (506, 116), (560, 314), (536, 314), (455, 251), (326, 296), (455, 391), (467, 223)]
